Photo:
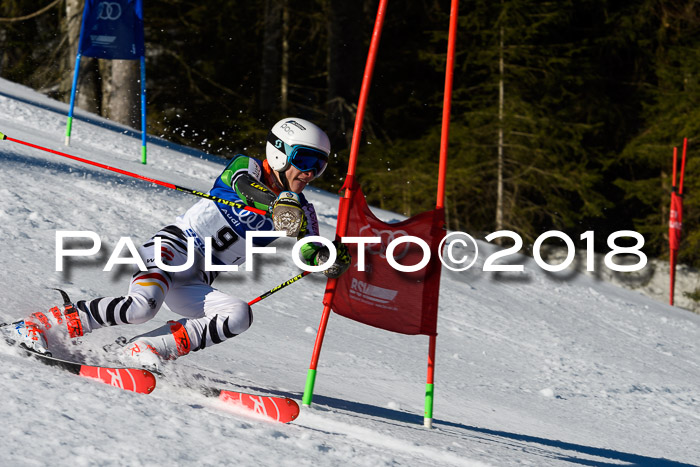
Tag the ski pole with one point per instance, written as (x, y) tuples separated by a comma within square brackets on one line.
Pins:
[(281, 286), (141, 177)]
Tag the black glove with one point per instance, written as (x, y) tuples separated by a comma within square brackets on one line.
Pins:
[(342, 260)]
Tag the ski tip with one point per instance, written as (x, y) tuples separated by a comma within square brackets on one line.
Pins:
[(148, 376), (2, 136), (293, 409), (273, 408), (129, 379)]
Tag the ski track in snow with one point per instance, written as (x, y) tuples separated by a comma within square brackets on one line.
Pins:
[(532, 368)]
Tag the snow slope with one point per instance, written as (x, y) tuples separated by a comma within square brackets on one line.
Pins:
[(532, 368)]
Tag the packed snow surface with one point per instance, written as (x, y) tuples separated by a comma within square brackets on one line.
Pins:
[(533, 368)]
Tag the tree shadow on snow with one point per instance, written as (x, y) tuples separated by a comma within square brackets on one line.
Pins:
[(520, 442)]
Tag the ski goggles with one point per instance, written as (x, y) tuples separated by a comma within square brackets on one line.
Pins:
[(303, 158), (308, 159)]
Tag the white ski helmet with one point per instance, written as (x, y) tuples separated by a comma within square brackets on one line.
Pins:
[(297, 142)]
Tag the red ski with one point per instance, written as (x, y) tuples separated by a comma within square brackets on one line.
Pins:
[(128, 379), (279, 409)]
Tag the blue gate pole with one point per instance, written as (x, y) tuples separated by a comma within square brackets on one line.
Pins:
[(69, 123), (143, 109)]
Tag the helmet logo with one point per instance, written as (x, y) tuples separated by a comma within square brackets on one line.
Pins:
[(296, 124), (278, 143)]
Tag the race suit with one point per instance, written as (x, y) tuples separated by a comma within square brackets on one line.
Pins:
[(211, 316)]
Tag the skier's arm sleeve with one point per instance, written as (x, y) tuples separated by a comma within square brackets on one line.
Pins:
[(309, 251), (243, 175), (253, 193)]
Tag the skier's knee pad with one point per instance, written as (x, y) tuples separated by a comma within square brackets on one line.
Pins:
[(238, 318), (141, 309)]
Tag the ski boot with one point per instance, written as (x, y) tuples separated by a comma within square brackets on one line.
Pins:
[(55, 327), (150, 350)]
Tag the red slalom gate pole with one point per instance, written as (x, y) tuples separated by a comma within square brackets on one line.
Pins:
[(440, 203), (343, 213), (685, 148), (676, 217), (140, 177), (672, 227)]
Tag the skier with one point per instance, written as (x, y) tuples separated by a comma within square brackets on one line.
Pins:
[(297, 152)]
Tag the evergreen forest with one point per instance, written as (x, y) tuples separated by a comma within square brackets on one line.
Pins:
[(564, 115)]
